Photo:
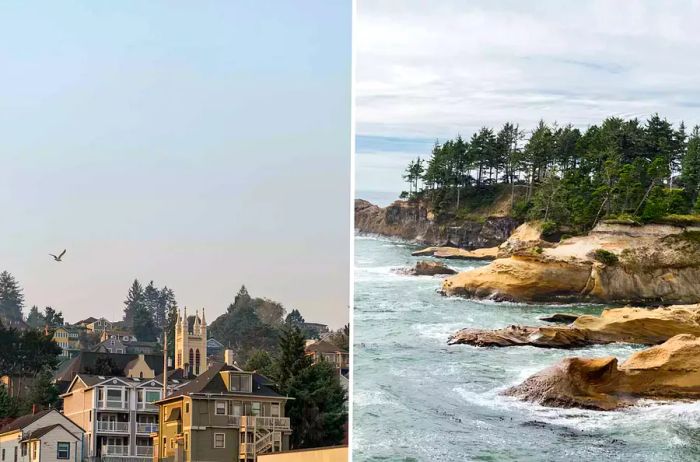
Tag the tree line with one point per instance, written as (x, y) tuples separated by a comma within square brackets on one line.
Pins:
[(564, 176)]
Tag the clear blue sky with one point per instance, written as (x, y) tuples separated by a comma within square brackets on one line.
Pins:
[(202, 145)]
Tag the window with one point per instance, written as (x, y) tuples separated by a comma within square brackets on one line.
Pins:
[(90, 416), (187, 441), (63, 450), (35, 445), (3, 454), (275, 409), (255, 410), (236, 408), (220, 408), (24, 449), (187, 407), (241, 382), (152, 396), (219, 440)]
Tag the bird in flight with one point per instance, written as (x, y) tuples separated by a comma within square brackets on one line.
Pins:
[(59, 255)]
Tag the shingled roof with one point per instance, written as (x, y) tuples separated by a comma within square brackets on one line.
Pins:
[(23, 421), (85, 362), (39, 432), (323, 346), (212, 382)]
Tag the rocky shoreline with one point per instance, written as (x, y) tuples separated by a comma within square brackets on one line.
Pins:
[(415, 223)]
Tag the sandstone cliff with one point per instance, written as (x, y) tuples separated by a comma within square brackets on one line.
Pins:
[(667, 371), (615, 263), (629, 325), (416, 223)]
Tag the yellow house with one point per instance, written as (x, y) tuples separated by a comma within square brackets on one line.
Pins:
[(68, 338)]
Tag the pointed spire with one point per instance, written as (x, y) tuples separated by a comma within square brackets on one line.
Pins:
[(204, 321), (185, 323)]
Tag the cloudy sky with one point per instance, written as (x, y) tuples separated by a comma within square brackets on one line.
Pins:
[(199, 145), (428, 70)]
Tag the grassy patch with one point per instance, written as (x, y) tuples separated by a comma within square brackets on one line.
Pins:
[(605, 257), (678, 220)]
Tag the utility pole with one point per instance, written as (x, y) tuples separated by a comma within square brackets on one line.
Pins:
[(165, 363)]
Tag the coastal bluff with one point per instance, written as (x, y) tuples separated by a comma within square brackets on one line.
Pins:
[(620, 263), (415, 222)]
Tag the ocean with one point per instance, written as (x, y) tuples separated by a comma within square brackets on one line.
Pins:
[(418, 399)]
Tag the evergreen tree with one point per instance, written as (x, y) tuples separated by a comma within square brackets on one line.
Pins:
[(134, 301), (35, 319), (11, 297), (43, 392), (53, 318), (260, 361), (295, 319), (292, 358), (9, 406), (690, 173)]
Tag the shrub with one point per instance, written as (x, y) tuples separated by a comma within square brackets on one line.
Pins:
[(605, 257)]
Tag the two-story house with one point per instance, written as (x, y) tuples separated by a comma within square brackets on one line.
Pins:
[(323, 350), (99, 325), (68, 338), (224, 414), (117, 413), (43, 436)]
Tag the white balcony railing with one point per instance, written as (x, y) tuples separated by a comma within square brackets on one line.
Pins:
[(115, 450), (143, 406), (247, 449), (144, 451), (270, 423), (114, 427), (146, 427), (113, 404)]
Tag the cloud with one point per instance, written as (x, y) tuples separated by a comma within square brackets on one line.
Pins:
[(427, 70)]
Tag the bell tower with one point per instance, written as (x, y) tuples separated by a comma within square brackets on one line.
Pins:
[(191, 343)]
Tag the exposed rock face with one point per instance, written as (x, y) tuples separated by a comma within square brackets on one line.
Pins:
[(454, 253), (653, 264), (415, 222), (667, 371), (431, 268), (629, 325)]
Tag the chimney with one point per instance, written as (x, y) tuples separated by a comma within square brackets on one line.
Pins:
[(228, 357)]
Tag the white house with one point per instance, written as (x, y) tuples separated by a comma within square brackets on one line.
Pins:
[(43, 436)]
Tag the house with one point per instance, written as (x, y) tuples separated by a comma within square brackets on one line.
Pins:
[(323, 350), (42, 436), (68, 338), (84, 322), (18, 385), (215, 350), (223, 414), (117, 334), (99, 325), (117, 415), (112, 364), (315, 329), (116, 345)]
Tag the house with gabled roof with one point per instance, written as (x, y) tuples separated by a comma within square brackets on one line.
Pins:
[(118, 414), (43, 436), (223, 414), (323, 350)]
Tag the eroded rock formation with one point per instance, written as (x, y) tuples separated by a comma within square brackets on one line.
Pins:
[(667, 371), (629, 325), (642, 264)]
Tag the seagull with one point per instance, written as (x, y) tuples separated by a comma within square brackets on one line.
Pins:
[(59, 255)]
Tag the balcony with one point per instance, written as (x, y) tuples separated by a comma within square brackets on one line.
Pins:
[(268, 423), (247, 449), (234, 420), (146, 428), (143, 406), (113, 404), (105, 426), (144, 451), (115, 450)]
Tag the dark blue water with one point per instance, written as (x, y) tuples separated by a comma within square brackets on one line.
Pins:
[(415, 398)]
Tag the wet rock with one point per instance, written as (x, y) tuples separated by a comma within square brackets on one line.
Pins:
[(667, 371), (560, 318)]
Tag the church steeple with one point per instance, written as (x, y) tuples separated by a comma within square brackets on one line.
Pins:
[(191, 344)]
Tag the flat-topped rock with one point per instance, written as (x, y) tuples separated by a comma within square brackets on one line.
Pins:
[(628, 325), (487, 253)]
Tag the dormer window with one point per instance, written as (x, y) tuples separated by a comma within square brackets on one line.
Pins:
[(241, 382)]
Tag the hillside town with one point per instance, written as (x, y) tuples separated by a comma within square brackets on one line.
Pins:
[(97, 391)]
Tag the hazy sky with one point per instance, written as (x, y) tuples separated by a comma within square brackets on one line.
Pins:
[(202, 145), (432, 70)]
